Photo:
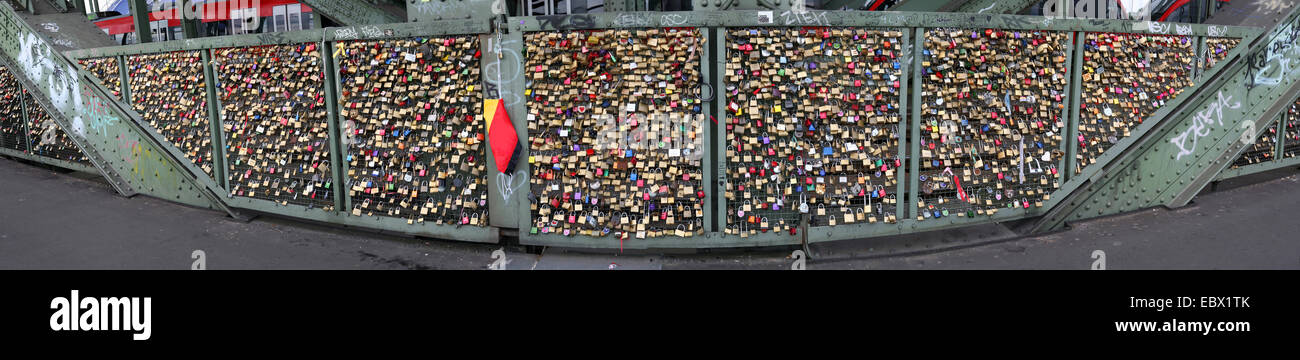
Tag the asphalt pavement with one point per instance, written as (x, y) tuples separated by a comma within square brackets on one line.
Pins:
[(57, 220)]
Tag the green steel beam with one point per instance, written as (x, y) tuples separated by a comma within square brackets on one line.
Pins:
[(843, 4), (59, 5), (352, 12), (892, 19), (337, 166), (1197, 138), (439, 10), (1258, 168), (994, 6), (365, 32), (925, 5), (905, 206), (214, 122), (140, 14)]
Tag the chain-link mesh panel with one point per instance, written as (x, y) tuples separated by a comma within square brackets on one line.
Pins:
[(616, 132), (13, 127), (1216, 49), (108, 72), (990, 120), (812, 127), (276, 124), (414, 131), (1126, 78), (46, 138), (1261, 151), (168, 92)]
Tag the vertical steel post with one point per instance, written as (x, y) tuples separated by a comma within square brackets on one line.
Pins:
[(124, 81), (912, 156), (1202, 57), (338, 166), (140, 12), (27, 131), (215, 125), (905, 83), (1280, 134), (719, 135), (709, 75), (1066, 110), (1074, 104)]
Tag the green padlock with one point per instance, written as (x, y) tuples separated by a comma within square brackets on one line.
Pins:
[(532, 230)]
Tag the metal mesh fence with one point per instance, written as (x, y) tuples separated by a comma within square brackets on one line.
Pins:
[(812, 127), (991, 120), (1126, 78), (46, 138), (106, 69), (169, 93), (1216, 49), (13, 127), (1260, 151), (276, 124), (616, 128), (414, 131)]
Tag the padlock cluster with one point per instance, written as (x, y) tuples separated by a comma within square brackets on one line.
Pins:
[(1261, 150), (1126, 78), (1291, 132), (106, 69), (275, 123), (168, 92), (413, 128), (13, 130), (812, 127), (615, 122), (992, 109), (1216, 49), (46, 138)]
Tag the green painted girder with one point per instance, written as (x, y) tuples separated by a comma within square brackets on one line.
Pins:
[(440, 10), (1175, 157), (925, 5), (352, 12), (907, 21), (59, 5), (993, 6)]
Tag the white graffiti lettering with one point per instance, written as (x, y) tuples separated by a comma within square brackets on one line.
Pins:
[(1183, 29), (345, 34), (36, 59), (631, 20), (806, 18), (1201, 125)]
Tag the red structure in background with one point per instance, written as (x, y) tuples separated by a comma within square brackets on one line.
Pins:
[(125, 24)]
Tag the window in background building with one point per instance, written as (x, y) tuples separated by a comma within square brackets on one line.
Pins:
[(295, 16), (277, 14)]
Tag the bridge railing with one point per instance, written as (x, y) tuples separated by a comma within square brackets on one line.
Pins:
[(700, 81)]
